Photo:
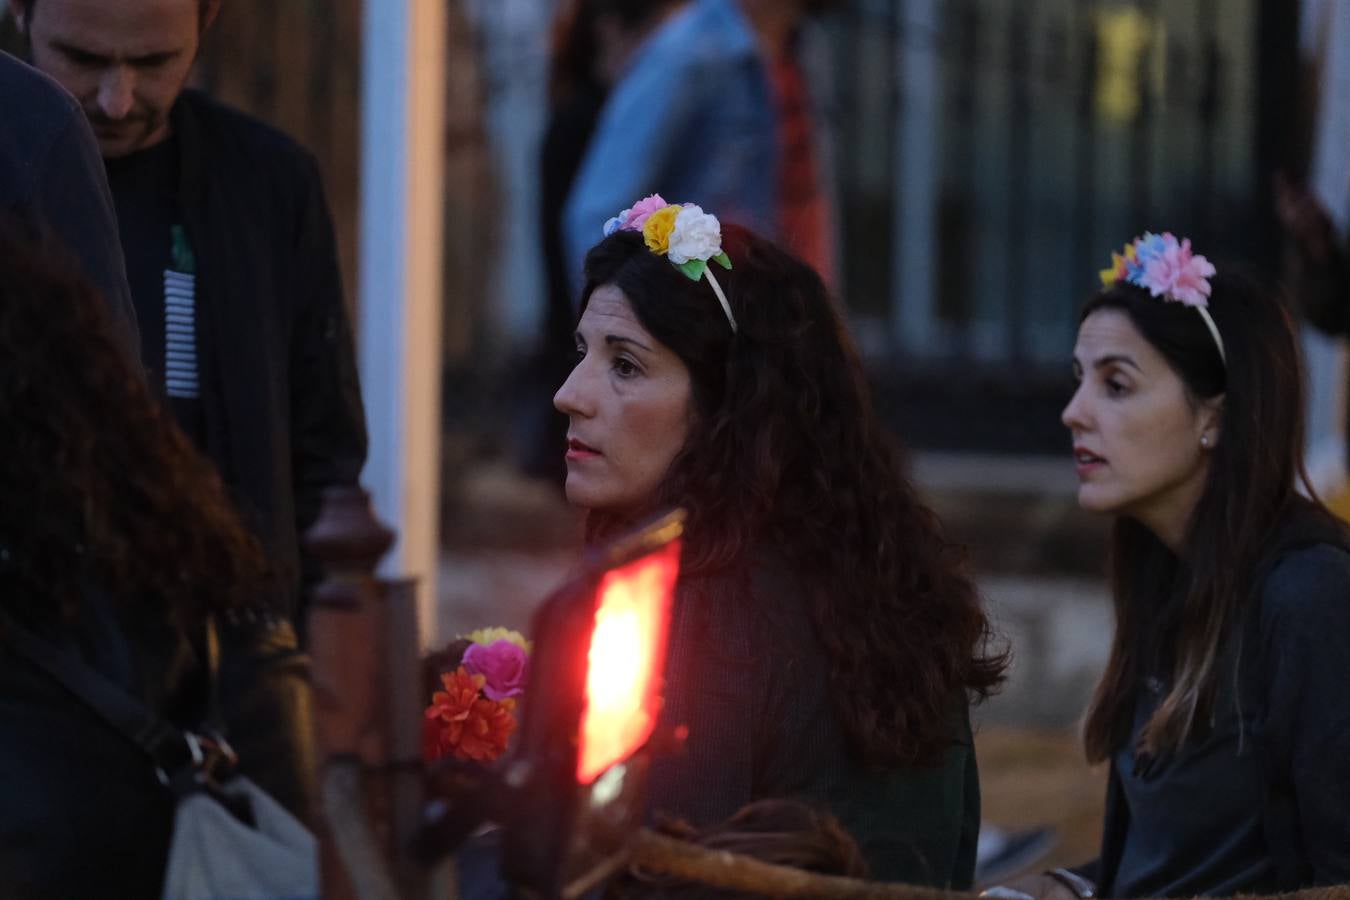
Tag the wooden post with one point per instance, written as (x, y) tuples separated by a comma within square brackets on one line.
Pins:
[(354, 739)]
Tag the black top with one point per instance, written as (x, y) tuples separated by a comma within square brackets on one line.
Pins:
[(51, 174), (749, 677), (1257, 804), (1184, 837), (145, 191), (281, 402)]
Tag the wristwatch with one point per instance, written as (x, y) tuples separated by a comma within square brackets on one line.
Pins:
[(1081, 887)]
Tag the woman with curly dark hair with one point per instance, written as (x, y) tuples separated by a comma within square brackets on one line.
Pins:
[(826, 638), (117, 542)]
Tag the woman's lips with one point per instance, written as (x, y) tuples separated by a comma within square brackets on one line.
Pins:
[(576, 450), (1086, 461)]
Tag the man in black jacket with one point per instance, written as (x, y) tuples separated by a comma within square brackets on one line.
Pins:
[(231, 259), (51, 177), (233, 270)]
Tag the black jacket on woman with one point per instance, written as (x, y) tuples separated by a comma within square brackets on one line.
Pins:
[(748, 675), (83, 813), (1260, 802)]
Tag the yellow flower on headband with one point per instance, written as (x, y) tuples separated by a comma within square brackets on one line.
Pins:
[(1112, 275), (658, 227), (487, 636)]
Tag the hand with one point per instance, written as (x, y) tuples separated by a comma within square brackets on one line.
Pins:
[(1035, 887), (1304, 218)]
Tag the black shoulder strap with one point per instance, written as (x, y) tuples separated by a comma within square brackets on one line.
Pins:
[(170, 749)]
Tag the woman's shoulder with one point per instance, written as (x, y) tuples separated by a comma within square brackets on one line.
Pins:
[(761, 595), (1307, 590)]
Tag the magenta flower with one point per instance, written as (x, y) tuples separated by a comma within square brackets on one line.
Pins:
[(641, 210), (504, 664), (1178, 274)]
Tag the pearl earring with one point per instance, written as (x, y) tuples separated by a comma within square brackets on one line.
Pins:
[(1204, 441)]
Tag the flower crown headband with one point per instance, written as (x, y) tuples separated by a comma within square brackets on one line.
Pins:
[(1168, 269), (686, 235)]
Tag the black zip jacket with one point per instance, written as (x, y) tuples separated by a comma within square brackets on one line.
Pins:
[(281, 400)]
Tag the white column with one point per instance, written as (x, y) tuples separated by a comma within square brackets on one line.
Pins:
[(402, 155)]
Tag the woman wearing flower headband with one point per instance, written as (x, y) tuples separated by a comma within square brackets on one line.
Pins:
[(1223, 710), (826, 638)]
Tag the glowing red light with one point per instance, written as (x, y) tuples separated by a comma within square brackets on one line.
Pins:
[(627, 654)]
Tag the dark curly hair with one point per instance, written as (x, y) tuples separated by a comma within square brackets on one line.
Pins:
[(98, 486), (786, 449)]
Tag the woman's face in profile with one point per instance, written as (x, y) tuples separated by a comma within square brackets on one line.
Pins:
[(1136, 431), (628, 402)]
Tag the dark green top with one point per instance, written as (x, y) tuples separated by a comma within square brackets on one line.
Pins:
[(749, 677)]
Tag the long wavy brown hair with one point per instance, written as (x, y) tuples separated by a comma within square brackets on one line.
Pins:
[(98, 486), (1197, 596), (787, 451)]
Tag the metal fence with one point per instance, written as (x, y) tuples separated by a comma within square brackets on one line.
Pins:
[(991, 154)]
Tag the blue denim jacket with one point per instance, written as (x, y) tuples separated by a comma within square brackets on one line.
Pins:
[(692, 119)]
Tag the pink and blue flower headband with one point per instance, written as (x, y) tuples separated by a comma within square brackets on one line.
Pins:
[(684, 234), (1166, 268)]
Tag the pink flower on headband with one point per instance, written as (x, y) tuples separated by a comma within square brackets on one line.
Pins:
[(637, 216), (1177, 273)]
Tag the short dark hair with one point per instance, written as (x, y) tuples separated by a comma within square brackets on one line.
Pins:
[(32, 5)]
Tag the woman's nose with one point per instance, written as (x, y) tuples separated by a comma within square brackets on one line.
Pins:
[(1074, 415), (571, 399)]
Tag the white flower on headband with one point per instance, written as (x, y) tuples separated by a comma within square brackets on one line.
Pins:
[(685, 235), (697, 235)]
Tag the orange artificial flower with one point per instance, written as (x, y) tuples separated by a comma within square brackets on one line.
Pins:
[(462, 723)]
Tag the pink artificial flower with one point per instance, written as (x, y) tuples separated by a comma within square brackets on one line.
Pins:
[(1178, 274), (637, 215), (505, 666)]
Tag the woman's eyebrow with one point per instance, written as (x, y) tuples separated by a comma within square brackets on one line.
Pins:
[(620, 339), (1116, 359)]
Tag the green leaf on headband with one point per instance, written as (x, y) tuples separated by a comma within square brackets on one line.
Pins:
[(723, 260), (693, 269)]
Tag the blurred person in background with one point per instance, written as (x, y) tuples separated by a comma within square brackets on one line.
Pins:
[(826, 640), (1312, 202), (717, 104), (592, 43), (117, 542), (1222, 712), (51, 175)]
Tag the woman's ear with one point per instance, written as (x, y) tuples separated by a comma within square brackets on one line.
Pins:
[(1211, 422)]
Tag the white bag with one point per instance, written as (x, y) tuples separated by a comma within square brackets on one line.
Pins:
[(214, 855)]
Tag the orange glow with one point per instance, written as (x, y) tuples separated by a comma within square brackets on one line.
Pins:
[(625, 660)]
